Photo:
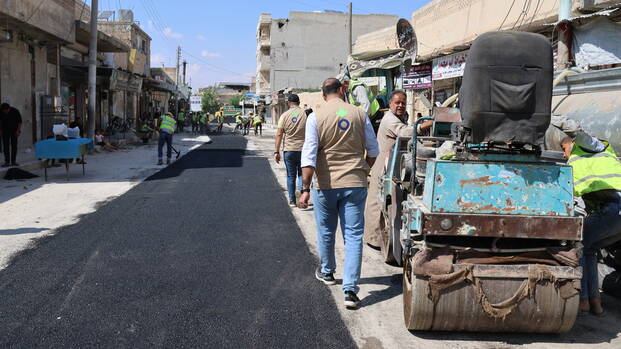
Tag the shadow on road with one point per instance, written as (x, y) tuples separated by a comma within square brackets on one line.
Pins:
[(207, 156), (394, 289), (22, 231)]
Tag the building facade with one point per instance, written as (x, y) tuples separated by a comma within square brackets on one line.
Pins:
[(299, 52), (43, 63)]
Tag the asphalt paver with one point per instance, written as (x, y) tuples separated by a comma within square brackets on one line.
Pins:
[(205, 253)]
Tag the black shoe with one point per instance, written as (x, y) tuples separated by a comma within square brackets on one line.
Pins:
[(351, 299), (159, 162), (327, 279)]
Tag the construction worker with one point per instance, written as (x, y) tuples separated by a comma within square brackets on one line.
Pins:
[(339, 148), (360, 95), (597, 181), (195, 121), (220, 118), (238, 122), (180, 121), (247, 124), (203, 120), (257, 123), (291, 126), (167, 128), (394, 124)]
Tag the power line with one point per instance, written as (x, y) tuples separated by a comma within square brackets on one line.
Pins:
[(152, 13), (535, 13), (507, 15), (521, 14)]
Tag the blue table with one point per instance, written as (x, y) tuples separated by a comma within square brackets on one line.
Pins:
[(69, 149)]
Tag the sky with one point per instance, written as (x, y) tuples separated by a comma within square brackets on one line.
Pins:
[(218, 38)]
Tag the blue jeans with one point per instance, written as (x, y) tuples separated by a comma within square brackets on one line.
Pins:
[(599, 228), (347, 206), (293, 163), (164, 138)]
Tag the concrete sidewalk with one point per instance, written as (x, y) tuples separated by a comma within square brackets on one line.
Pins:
[(35, 208)]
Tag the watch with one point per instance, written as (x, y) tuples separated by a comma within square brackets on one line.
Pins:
[(276, 152), (305, 191)]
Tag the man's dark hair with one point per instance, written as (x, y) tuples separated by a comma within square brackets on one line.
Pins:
[(4, 106), (330, 86), (398, 92)]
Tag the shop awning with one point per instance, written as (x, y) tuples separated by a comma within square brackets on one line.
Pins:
[(384, 59)]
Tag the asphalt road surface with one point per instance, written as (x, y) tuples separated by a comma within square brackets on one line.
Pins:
[(205, 253)]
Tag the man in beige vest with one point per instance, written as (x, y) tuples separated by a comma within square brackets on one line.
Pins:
[(394, 124), (337, 136), (291, 126)]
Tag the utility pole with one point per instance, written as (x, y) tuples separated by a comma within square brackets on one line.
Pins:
[(177, 81), (564, 34), (92, 73), (185, 63), (349, 25)]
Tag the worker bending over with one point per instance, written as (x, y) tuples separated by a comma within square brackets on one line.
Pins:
[(167, 127), (597, 181)]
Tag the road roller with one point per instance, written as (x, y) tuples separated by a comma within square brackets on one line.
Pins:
[(480, 217)]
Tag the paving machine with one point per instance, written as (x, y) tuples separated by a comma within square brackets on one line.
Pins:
[(481, 221)]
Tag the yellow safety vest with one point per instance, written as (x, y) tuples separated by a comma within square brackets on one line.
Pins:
[(168, 123), (181, 116), (374, 103), (595, 171), (257, 120)]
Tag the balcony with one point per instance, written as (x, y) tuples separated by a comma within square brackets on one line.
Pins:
[(264, 63), (265, 42)]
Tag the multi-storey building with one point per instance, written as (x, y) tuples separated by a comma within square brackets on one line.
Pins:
[(299, 52)]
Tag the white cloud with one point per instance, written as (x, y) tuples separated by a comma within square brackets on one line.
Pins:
[(206, 53), (171, 34), (157, 60), (200, 37)]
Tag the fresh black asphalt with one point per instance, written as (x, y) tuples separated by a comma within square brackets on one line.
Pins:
[(205, 253)]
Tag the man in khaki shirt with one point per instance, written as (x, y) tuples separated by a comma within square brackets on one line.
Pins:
[(291, 126), (394, 124), (337, 136)]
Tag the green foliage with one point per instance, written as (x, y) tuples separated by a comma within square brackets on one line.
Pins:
[(234, 100), (210, 102)]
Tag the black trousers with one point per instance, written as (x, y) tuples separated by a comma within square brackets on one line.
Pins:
[(9, 145)]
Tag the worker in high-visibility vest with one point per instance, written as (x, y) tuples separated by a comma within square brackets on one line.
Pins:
[(247, 122), (238, 122), (358, 94), (597, 181), (257, 123), (195, 121), (180, 121), (203, 121), (220, 120), (167, 128)]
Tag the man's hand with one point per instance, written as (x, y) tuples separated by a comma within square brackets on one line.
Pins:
[(277, 157), (303, 201)]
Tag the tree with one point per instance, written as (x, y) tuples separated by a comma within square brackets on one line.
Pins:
[(234, 100), (209, 100)]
